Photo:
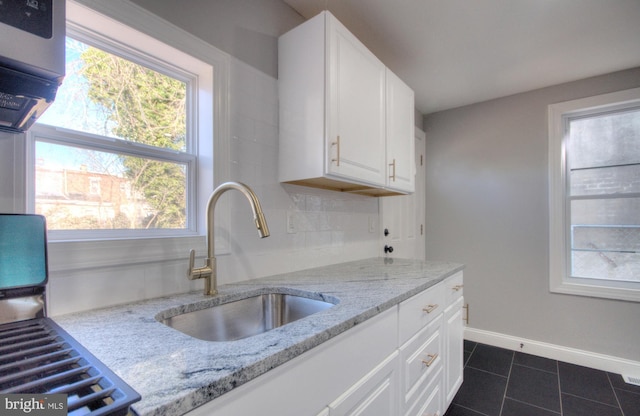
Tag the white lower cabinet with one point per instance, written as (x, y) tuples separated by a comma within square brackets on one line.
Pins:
[(307, 384), (421, 364), (454, 345), (405, 361), (376, 394), (453, 336), (431, 334), (431, 399)]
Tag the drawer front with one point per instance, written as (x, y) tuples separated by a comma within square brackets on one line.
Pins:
[(430, 401), (419, 310), (453, 288), (421, 359), (375, 394)]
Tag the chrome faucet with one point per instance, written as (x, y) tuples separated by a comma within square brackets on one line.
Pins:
[(208, 271)]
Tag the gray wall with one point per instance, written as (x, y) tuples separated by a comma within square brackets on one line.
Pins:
[(487, 206), (245, 29)]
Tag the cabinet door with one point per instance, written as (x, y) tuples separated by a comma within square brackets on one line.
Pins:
[(355, 141), (403, 217), (376, 394), (454, 332), (400, 133)]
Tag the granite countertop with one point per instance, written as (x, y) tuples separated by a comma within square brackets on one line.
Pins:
[(176, 373)]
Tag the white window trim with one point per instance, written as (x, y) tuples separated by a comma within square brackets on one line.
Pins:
[(213, 156), (559, 279), (64, 137)]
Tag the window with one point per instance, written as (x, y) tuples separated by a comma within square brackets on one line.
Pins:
[(594, 159), (117, 155)]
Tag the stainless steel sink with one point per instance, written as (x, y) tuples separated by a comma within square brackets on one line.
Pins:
[(246, 317)]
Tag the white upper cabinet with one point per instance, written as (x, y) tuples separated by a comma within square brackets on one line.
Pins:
[(400, 135), (346, 121), (355, 124)]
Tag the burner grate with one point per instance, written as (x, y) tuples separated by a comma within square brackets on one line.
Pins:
[(39, 357)]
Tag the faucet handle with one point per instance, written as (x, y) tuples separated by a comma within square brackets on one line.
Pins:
[(192, 259), (194, 273)]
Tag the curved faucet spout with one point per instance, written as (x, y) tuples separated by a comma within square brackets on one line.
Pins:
[(208, 271)]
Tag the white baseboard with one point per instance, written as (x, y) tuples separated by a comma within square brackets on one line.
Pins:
[(627, 368)]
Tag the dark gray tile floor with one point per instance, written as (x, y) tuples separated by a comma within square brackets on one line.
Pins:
[(499, 382)]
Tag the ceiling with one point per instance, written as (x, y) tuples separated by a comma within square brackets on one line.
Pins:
[(458, 52)]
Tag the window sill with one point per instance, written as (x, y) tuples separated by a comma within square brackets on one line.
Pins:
[(65, 256), (628, 291)]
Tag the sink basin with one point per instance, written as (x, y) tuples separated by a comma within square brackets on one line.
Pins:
[(246, 317)]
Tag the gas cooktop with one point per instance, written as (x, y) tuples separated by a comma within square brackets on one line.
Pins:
[(36, 355)]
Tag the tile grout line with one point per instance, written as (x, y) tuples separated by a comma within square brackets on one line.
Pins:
[(533, 405), (615, 394), (489, 372), (506, 387), (535, 368), (473, 410), (559, 387), (596, 401)]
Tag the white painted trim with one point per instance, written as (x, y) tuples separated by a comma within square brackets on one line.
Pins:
[(82, 255), (559, 279), (141, 19), (555, 352), (72, 255)]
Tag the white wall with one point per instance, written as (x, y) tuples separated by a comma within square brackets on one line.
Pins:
[(246, 29), (487, 207), (331, 227), (10, 150)]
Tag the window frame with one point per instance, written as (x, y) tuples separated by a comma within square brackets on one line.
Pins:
[(117, 19), (64, 137), (559, 115)]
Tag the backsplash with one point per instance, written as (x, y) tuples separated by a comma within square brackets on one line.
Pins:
[(309, 227)]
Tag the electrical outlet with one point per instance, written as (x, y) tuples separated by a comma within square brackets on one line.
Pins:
[(292, 226), (372, 224)]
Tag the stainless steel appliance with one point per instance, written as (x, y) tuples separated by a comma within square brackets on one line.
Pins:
[(36, 355), (32, 59)]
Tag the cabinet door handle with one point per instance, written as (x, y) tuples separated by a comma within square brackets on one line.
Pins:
[(430, 308), (432, 358), (457, 287), (393, 169), (337, 145)]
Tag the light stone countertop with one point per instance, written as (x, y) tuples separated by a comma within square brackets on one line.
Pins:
[(176, 373)]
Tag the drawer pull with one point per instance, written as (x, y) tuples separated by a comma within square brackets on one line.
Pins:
[(457, 287), (432, 358), (430, 308)]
